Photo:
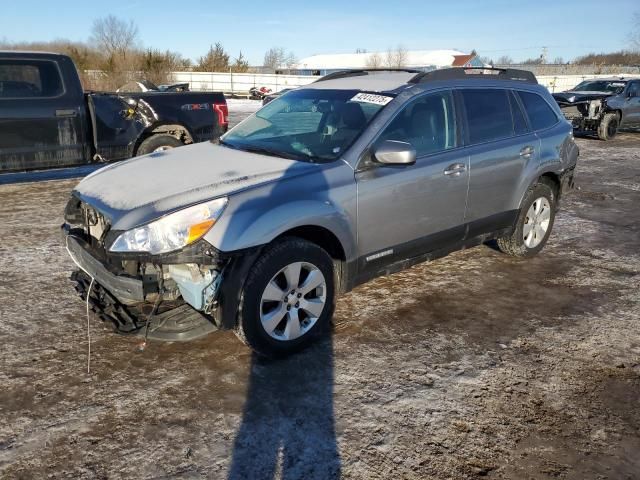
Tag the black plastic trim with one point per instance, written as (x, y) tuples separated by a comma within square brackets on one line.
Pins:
[(434, 246), (458, 73)]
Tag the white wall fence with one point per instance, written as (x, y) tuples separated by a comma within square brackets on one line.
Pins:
[(240, 83)]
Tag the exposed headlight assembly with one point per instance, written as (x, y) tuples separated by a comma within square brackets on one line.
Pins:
[(594, 108), (172, 232)]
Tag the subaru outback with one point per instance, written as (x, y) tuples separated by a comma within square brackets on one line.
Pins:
[(360, 174)]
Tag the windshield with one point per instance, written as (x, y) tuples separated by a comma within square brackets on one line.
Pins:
[(600, 86), (310, 125)]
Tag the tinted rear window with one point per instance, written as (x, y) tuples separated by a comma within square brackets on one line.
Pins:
[(29, 78), (538, 110), (519, 121), (488, 114)]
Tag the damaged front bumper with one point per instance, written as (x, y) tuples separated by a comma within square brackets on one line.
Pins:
[(177, 296), (583, 115)]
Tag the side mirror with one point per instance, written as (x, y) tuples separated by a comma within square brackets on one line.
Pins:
[(394, 152)]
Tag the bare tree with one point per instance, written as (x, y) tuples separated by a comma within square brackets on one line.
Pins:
[(274, 57), (397, 58), (634, 35), (374, 60), (504, 60), (533, 61), (114, 36), (558, 61), (290, 60)]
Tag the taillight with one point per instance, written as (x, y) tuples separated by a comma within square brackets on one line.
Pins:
[(223, 113)]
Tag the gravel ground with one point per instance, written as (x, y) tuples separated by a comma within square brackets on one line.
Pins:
[(473, 365)]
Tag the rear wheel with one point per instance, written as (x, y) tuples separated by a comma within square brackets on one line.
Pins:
[(158, 143), (608, 127), (288, 298), (534, 223)]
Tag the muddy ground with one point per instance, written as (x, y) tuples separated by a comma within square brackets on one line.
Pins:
[(473, 365)]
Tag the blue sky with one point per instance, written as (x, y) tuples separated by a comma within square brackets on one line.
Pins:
[(493, 27)]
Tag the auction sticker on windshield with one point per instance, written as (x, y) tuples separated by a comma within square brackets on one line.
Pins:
[(371, 98)]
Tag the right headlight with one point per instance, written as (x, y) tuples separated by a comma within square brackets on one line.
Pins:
[(175, 231)]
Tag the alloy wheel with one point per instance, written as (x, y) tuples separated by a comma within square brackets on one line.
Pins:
[(292, 301), (536, 223)]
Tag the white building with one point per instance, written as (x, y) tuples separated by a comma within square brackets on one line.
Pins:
[(417, 59)]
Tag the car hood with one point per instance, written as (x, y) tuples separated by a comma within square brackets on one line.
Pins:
[(139, 190), (574, 96)]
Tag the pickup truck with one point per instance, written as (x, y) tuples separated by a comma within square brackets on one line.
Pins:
[(601, 106), (48, 121)]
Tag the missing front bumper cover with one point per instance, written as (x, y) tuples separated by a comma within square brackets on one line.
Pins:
[(175, 323)]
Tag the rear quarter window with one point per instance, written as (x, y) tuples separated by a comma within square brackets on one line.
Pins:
[(540, 114), (29, 78), (488, 114)]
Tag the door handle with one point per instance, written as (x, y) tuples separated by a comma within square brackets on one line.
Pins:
[(455, 169), (526, 151), (66, 113)]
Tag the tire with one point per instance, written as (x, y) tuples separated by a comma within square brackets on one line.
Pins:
[(520, 245), (608, 127), (158, 142), (257, 314)]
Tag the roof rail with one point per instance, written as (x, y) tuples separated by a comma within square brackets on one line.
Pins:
[(457, 73), (363, 71)]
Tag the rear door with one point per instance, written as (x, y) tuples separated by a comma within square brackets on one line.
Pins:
[(40, 120), (500, 145), (549, 128), (406, 211)]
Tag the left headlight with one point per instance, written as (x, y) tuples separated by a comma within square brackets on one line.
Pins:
[(172, 232)]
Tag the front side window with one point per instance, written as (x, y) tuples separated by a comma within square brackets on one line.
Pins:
[(427, 123), (308, 124), (634, 89), (540, 114), (488, 114), (29, 78)]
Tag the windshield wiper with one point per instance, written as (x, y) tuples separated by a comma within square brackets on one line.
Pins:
[(268, 151)]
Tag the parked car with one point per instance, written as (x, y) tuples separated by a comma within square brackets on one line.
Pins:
[(47, 120), (274, 95), (602, 105), (358, 175)]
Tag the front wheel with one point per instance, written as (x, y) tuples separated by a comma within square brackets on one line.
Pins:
[(534, 224), (288, 298), (608, 127)]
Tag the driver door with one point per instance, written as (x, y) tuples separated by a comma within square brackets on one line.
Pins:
[(632, 107), (408, 211)]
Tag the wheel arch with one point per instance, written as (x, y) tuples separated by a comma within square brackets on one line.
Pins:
[(553, 180), (177, 130), (325, 239)]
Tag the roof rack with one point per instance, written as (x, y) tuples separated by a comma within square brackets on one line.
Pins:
[(458, 73), (363, 71)]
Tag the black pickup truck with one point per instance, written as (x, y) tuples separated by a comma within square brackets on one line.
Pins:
[(47, 120)]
